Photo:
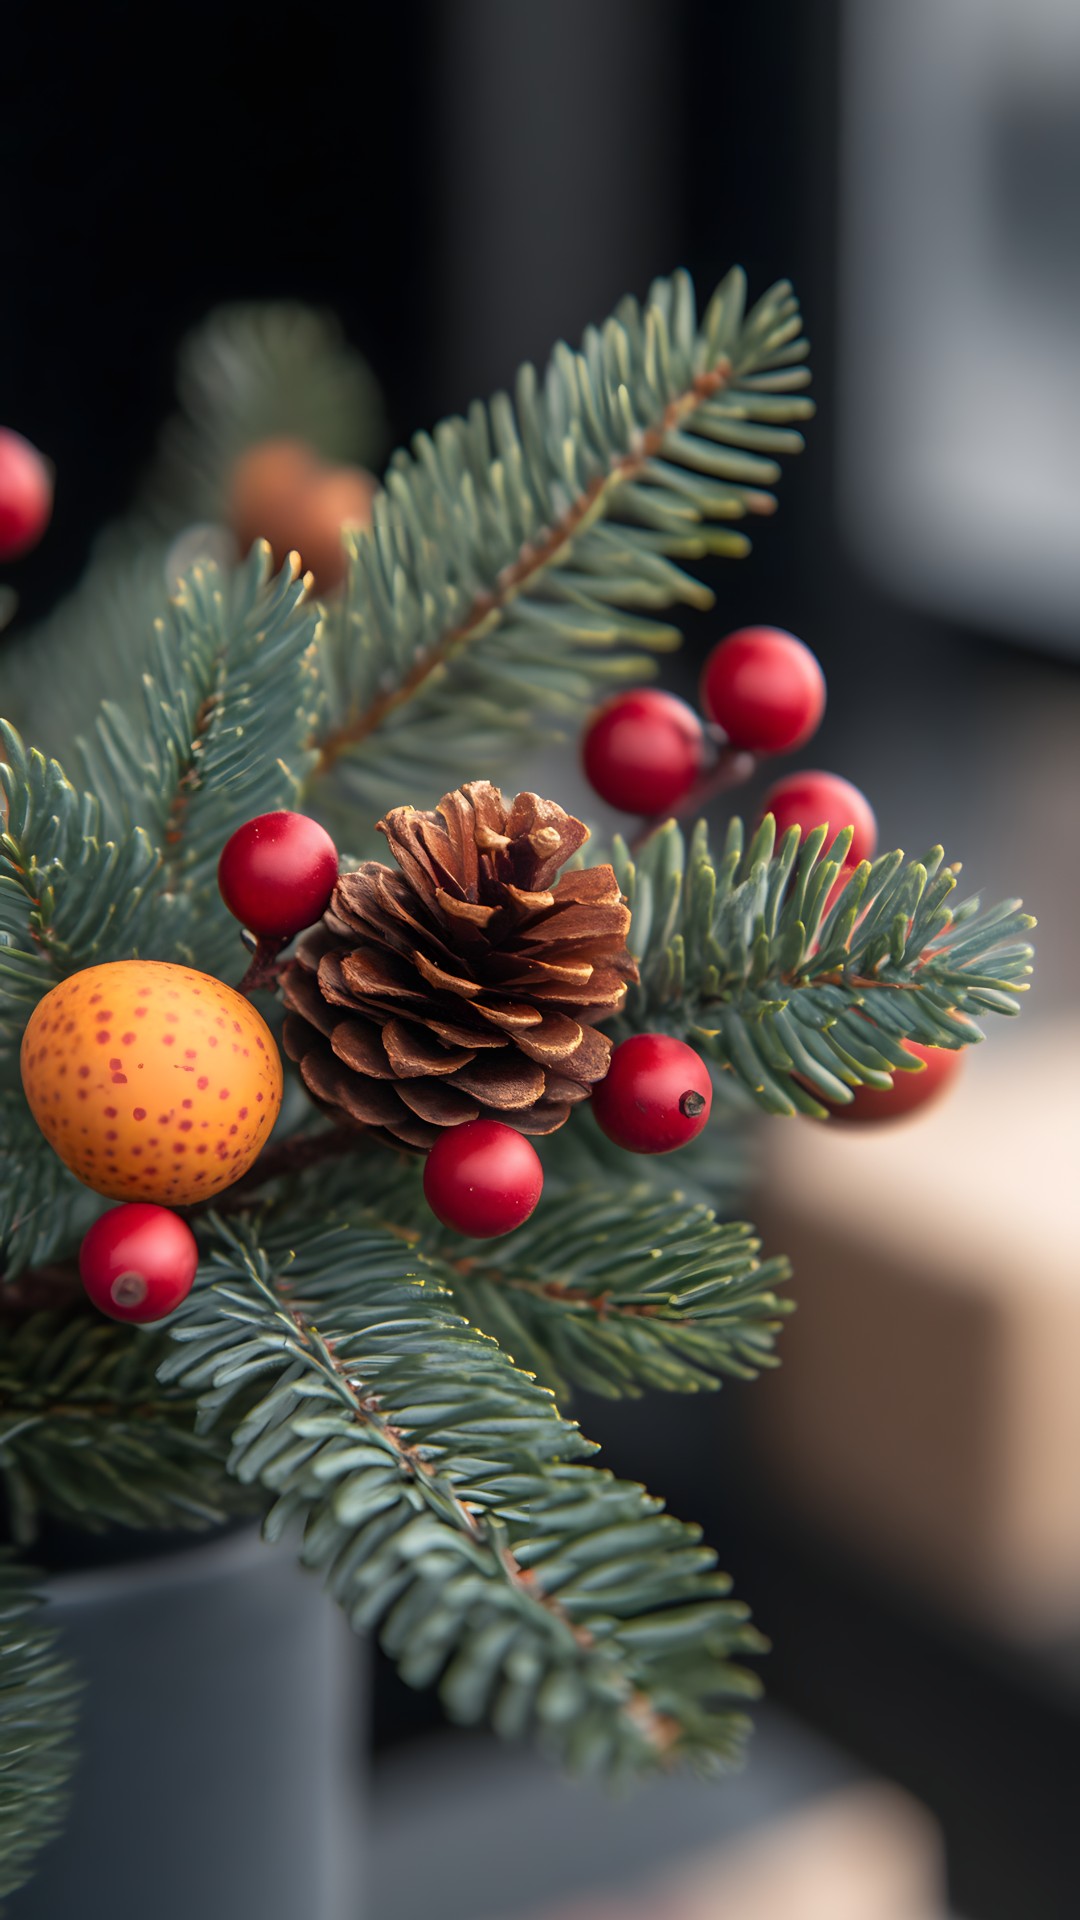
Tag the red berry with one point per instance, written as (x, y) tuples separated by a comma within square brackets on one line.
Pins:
[(807, 799), (909, 1093), (643, 751), (277, 873), (482, 1178), (26, 495), (138, 1262), (765, 688), (656, 1095)]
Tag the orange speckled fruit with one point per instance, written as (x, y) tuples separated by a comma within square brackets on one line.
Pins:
[(151, 1081)]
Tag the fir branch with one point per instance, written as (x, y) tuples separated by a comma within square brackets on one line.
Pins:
[(228, 707), (510, 548), (618, 1293), (88, 1437), (38, 1712), (44, 1210), (130, 869), (744, 957), (69, 895), (440, 1497), (616, 1284)]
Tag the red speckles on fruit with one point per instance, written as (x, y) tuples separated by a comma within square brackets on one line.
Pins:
[(116, 1103)]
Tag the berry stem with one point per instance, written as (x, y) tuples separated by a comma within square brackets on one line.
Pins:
[(731, 768), (40, 1290), (265, 970)]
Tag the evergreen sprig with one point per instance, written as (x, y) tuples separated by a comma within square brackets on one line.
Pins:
[(229, 708), (38, 1714), (44, 1210), (518, 555), (744, 956), (616, 1284), (69, 895), (88, 1437), (443, 1500), (338, 1348), (626, 1291), (129, 868)]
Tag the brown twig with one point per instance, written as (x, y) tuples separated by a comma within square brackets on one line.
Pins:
[(531, 560), (189, 780), (731, 768), (39, 1290), (264, 971)]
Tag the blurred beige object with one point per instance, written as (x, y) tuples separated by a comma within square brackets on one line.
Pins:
[(865, 1852), (927, 1407)]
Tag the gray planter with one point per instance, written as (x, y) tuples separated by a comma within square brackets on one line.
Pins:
[(219, 1775)]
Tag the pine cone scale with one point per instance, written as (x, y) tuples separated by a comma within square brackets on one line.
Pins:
[(410, 1051), (437, 1103), (443, 981), (511, 1082), (469, 980)]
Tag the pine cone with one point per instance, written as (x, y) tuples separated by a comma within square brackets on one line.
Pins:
[(467, 983)]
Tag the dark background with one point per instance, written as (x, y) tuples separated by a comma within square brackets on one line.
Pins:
[(462, 183)]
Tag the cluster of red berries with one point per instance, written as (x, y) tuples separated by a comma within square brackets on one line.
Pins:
[(484, 1179), (763, 692)]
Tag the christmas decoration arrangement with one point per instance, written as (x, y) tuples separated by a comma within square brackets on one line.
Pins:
[(356, 1106)]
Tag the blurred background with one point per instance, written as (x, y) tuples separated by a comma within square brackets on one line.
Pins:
[(463, 181)]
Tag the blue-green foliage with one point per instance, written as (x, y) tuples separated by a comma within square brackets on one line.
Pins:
[(745, 957), (519, 555), (517, 563), (128, 869), (88, 1437), (38, 1712), (445, 1502), (70, 893), (229, 710)]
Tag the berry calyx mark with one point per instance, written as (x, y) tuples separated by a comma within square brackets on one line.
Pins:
[(129, 1289), (692, 1103)]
